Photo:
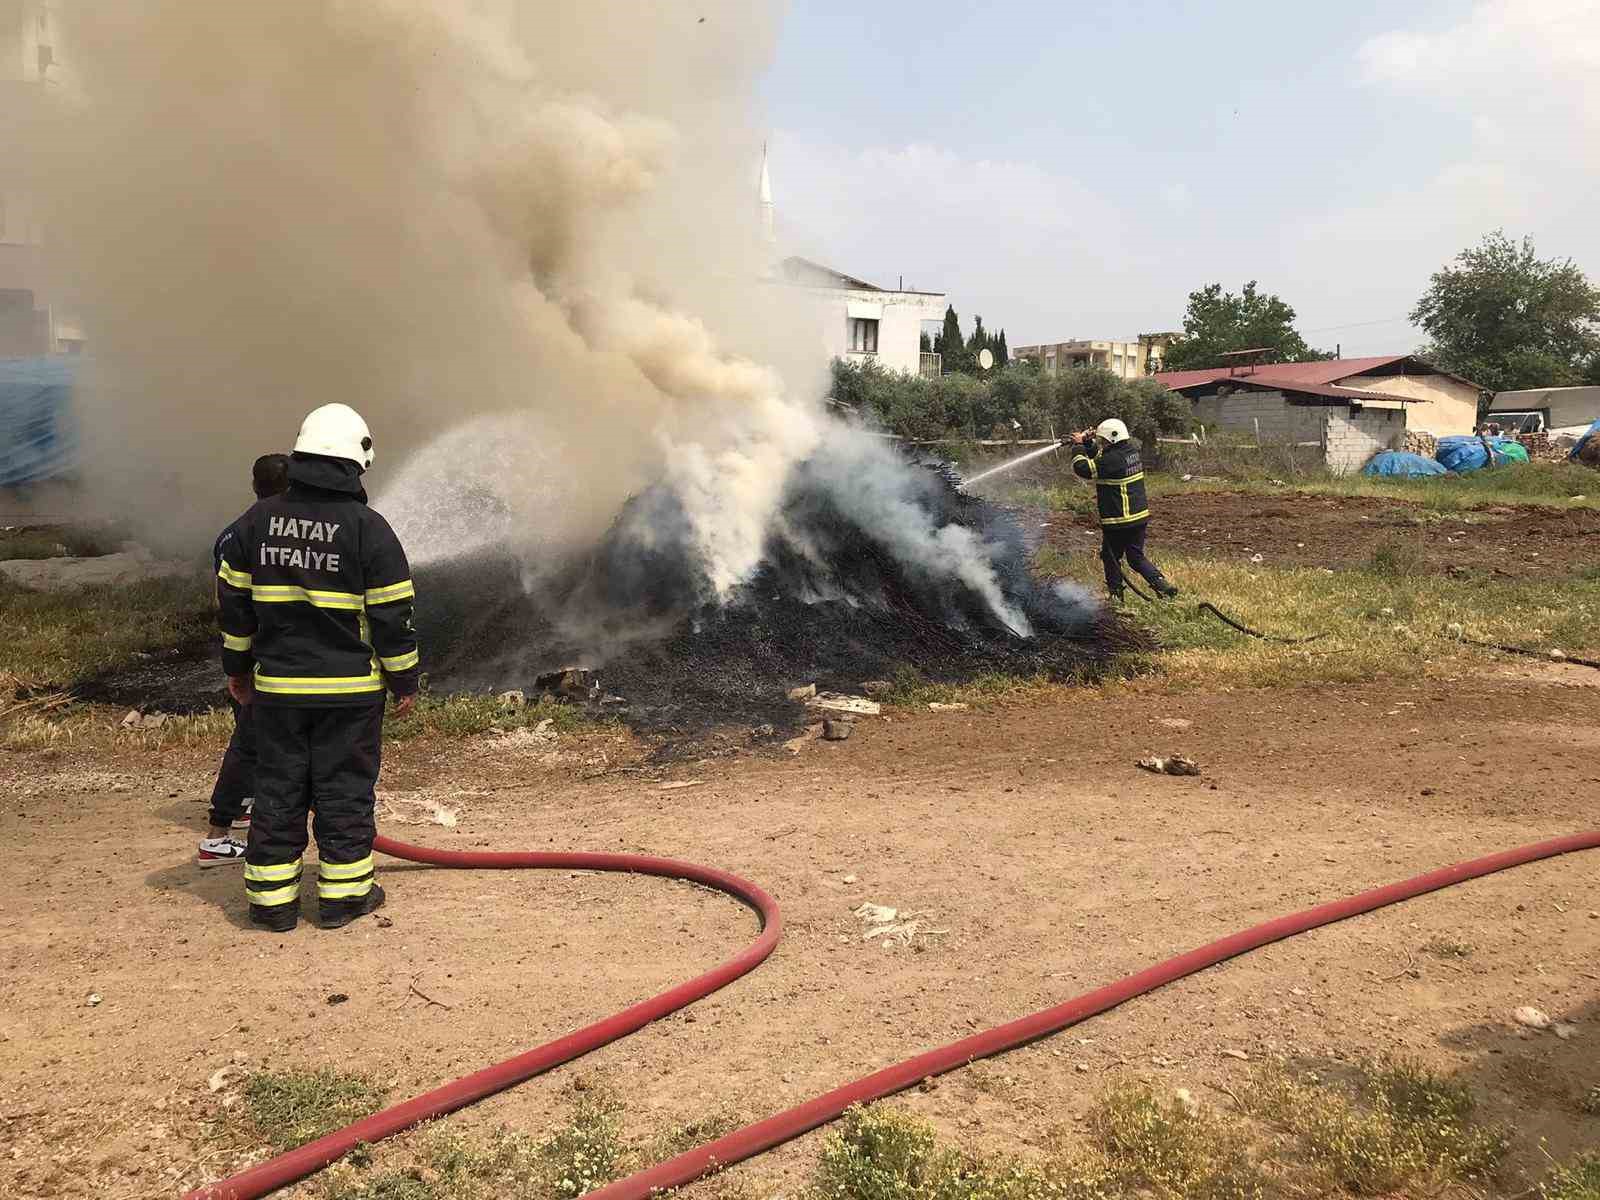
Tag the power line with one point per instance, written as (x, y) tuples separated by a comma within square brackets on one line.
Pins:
[(1356, 325)]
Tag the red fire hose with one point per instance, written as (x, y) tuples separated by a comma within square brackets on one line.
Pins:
[(313, 1156), (775, 1130)]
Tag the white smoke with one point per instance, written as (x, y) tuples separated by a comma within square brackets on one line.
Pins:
[(520, 236)]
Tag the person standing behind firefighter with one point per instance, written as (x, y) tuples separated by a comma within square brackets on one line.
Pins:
[(316, 621), (234, 793), (1108, 458)]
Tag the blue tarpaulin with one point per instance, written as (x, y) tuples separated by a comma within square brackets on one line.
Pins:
[(1400, 463), (1463, 454), (38, 439), (1584, 441)]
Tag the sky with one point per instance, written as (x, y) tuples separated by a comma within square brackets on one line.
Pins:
[(1074, 171)]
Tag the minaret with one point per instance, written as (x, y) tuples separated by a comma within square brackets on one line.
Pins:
[(767, 223)]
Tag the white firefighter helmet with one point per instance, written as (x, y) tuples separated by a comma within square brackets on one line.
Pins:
[(337, 431), (1112, 431)]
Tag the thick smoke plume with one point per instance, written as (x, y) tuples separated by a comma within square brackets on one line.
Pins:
[(520, 237), (432, 210)]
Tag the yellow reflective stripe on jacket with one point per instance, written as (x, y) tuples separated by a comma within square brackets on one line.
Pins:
[(1094, 467), (1127, 520), (230, 642), (271, 872), (343, 891), (286, 593), (1119, 482), (401, 662), (238, 579), (355, 870), (314, 685), (391, 592)]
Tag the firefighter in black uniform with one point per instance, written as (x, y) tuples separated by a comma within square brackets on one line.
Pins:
[(316, 603), (1108, 459), (235, 790)]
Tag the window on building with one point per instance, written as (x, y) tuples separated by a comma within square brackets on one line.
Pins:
[(863, 335)]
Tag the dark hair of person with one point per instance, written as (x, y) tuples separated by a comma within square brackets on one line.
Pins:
[(270, 475)]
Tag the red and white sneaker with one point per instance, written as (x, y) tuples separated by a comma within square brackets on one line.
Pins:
[(242, 821), (215, 852)]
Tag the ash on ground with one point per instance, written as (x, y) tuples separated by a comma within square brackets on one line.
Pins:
[(834, 602)]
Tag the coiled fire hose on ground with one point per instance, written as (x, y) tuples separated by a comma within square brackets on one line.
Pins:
[(775, 1130)]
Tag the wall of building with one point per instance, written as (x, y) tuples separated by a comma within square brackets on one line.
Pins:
[(1250, 411), (1354, 435), (1447, 406), (1349, 436), (900, 319)]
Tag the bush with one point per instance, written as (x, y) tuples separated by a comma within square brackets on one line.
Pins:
[(965, 407)]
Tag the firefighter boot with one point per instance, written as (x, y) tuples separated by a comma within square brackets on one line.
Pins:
[(336, 914), (279, 918)]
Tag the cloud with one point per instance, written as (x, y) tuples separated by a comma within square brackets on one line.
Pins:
[(1519, 58)]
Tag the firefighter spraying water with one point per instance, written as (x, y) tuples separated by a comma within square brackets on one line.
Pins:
[(1108, 458)]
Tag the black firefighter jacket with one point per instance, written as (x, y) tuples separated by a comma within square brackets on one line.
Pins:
[(1118, 478), (315, 593)]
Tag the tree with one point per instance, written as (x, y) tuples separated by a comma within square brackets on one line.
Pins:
[(926, 343), (1506, 319), (1002, 355), (1218, 322), (979, 339), (953, 346)]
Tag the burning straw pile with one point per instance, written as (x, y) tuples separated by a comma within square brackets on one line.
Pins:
[(841, 595)]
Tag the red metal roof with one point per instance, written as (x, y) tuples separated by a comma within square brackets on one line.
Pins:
[(1317, 389), (1295, 374)]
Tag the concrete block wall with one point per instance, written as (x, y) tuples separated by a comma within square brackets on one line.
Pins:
[(1278, 420), (1354, 435)]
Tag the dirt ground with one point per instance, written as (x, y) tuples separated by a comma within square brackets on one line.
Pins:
[(1296, 529), (1046, 862)]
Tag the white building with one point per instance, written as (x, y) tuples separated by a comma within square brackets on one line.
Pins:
[(861, 322), (1125, 360), (855, 320)]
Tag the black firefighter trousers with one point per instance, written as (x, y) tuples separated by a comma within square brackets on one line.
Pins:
[(236, 778), (1118, 542), (323, 761)]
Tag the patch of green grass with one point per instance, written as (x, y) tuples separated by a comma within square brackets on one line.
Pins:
[(670, 1143), (1174, 1149), (1397, 559), (1563, 485), (1528, 483), (55, 638), (1577, 1180), (297, 1105), (1445, 947), (467, 715), (589, 1151), (885, 1153), (1402, 1128), (1375, 625), (408, 1184)]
